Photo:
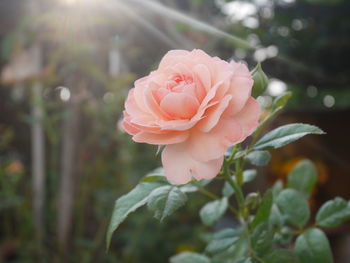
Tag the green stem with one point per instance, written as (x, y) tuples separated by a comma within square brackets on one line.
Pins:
[(238, 191)]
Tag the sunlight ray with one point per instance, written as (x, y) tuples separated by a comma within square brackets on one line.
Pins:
[(176, 15)]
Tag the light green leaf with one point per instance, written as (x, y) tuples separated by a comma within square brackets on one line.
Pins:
[(249, 175), (263, 212), (227, 190), (213, 211), (285, 134), (127, 204), (293, 207), (166, 200), (303, 177), (222, 240), (313, 247), (333, 213), (234, 254), (189, 257), (277, 188), (281, 256), (259, 158), (282, 100)]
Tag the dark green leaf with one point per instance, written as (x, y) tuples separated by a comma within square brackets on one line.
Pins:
[(261, 238), (189, 257), (213, 211), (293, 207), (285, 134), (281, 256), (333, 213), (313, 247), (263, 212), (166, 200), (127, 204), (303, 177), (259, 158)]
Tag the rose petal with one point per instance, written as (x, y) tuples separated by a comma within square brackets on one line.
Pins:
[(249, 116), (180, 166), (179, 105), (161, 139), (205, 146), (213, 115)]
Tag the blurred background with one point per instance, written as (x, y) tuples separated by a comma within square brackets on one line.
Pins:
[(66, 67)]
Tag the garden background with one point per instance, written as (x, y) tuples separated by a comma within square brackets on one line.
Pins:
[(66, 67)]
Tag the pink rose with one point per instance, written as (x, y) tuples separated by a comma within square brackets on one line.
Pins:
[(195, 105)]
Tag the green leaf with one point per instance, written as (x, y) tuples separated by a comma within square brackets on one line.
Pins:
[(263, 212), (259, 158), (261, 238), (189, 257), (333, 213), (166, 200), (281, 100), (218, 245), (293, 207), (285, 134), (276, 219), (277, 188), (313, 247), (213, 211), (303, 177), (281, 256), (234, 254), (127, 204), (249, 175), (227, 190)]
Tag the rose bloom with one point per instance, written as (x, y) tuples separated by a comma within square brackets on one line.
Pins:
[(195, 105)]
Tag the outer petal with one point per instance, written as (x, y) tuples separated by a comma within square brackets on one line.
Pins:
[(180, 166), (249, 116), (206, 146), (240, 88), (161, 139), (172, 57)]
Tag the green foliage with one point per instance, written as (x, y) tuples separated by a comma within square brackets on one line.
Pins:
[(293, 207), (189, 257), (263, 213), (262, 238), (213, 211), (303, 177), (165, 200), (258, 158), (284, 135), (281, 256), (333, 213), (312, 246), (128, 204), (223, 240)]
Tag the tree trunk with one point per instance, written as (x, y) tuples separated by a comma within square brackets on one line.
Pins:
[(69, 172), (38, 161)]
